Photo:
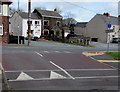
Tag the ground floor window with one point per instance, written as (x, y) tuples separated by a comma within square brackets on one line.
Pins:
[(0, 9), (46, 32), (94, 39), (1, 29)]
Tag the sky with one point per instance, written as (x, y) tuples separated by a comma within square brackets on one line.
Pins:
[(81, 10)]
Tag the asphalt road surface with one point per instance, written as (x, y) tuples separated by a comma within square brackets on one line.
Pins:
[(56, 66)]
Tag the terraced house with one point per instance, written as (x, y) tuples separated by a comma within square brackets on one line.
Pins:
[(4, 21), (51, 22)]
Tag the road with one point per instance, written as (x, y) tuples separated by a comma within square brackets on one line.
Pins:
[(55, 66)]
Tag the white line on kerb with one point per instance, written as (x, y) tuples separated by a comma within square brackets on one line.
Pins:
[(92, 77), (95, 77), (38, 54), (65, 69), (62, 70)]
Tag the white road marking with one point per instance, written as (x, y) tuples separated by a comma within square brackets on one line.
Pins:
[(103, 63), (94, 77), (46, 52), (62, 70), (68, 78), (54, 75), (67, 52), (38, 54), (66, 70), (24, 76), (57, 51)]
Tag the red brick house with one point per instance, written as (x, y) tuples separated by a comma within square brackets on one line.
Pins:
[(4, 21)]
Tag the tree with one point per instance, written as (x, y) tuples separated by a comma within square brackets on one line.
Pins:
[(57, 10), (70, 22), (69, 19)]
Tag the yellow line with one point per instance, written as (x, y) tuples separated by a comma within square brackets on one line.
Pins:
[(109, 60)]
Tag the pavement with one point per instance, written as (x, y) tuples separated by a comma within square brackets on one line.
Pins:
[(101, 57)]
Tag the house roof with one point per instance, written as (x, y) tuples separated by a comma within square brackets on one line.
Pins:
[(81, 24), (46, 13), (109, 20), (6, 1), (24, 15)]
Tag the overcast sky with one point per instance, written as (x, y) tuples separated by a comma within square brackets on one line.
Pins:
[(81, 10)]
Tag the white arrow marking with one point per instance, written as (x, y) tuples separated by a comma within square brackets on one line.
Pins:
[(24, 76), (62, 70), (54, 75)]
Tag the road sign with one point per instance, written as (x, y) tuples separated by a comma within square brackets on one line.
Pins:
[(109, 31), (109, 25)]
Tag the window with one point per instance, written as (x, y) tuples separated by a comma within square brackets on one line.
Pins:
[(1, 29), (58, 23), (46, 32), (46, 23), (0, 9), (36, 22), (113, 27)]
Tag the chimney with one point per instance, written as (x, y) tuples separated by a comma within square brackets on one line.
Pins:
[(106, 14)]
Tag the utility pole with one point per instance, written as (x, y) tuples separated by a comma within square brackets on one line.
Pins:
[(29, 22), (18, 23)]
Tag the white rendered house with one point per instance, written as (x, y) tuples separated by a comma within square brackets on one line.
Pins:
[(19, 26)]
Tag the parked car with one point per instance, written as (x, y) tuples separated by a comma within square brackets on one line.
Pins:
[(35, 38), (116, 40)]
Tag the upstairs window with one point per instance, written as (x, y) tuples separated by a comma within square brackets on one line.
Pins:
[(37, 23), (46, 23), (0, 9), (1, 29), (58, 23)]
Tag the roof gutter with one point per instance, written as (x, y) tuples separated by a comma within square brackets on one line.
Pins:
[(52, 16)]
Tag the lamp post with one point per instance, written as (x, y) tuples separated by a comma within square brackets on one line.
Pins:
[(29, 21)]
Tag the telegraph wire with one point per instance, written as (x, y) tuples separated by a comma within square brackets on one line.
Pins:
[(80, 7)]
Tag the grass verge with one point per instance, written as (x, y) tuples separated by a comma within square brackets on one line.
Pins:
[(115, 55)]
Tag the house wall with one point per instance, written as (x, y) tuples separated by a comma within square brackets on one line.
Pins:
[(5, 10), (79, 31), (52, 21), (96, 29), (36, 28), (14, 25), (4, 20), (5, 37)]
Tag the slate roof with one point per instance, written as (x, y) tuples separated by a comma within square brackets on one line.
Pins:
[(6, 1), (49, 13), (81, 24), (109, 20), (24, 15)]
